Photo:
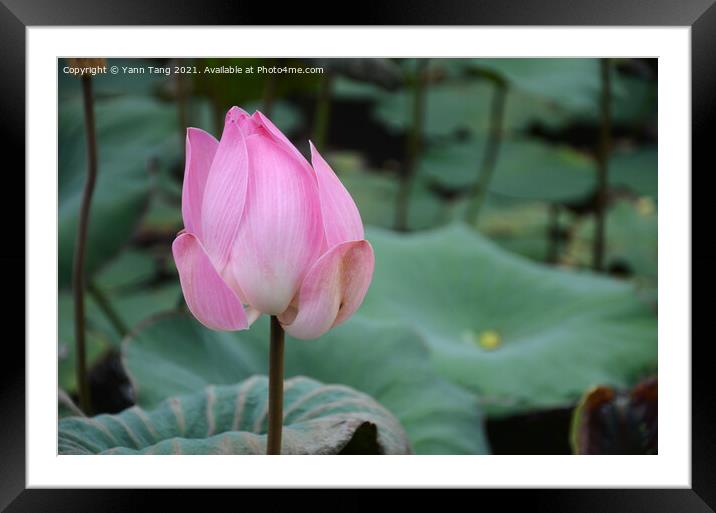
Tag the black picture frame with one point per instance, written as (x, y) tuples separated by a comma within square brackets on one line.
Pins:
[(17, 15)]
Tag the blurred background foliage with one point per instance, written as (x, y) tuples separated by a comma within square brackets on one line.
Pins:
[(477, 180)]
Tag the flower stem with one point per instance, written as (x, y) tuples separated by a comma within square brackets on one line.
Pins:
[(78, 264), (603, 166), (275, 402), (412, 149), (492, 148)]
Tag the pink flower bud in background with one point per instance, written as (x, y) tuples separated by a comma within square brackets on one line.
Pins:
[(265, 229)]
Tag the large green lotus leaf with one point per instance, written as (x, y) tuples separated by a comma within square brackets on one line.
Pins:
[(455, 106), (632, 241), (448, 107), (66, 407), (534, 170), (637, 170), (520, 335), (130, 269), (575, 86), (175, 354), (455, 165), (136, 307), (232, 419), (132, 135), (574, 83), (526, 169)]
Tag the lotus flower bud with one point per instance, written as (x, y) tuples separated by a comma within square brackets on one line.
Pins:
[(265, 232)]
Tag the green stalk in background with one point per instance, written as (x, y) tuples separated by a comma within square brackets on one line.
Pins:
[(275, 400), (323, 110), (78, 264), (413, 145), (605, 136), (492, 149)]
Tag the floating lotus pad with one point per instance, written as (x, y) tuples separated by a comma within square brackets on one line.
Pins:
[(463, 105), (526, 169), (560, 332), (574, 83), (232, 419), (174, 354)]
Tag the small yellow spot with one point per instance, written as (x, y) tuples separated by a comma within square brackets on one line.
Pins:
[(490, 339), (645, 206)]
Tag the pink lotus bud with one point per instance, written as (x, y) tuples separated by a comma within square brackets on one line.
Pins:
[(267, 233)]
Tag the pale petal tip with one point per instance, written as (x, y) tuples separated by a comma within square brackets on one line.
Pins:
[(235, 114)]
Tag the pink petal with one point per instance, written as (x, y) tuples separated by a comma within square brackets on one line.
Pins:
[(225, 191), (281, 232), (278, 136), (211, 300), (341, 219), (200, 151), (333, 290)]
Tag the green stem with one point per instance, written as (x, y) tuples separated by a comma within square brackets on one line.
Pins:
[(603, 166), (492, 149), (78, 264), (412, 146), (323, 110), (275, 401), (107, 309)]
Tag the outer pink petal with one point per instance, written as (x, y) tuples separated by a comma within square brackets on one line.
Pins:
[(341, 219), (200, 151), (211, 301), (278, 136), (281, 232), (225, 192), (333, 289)]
